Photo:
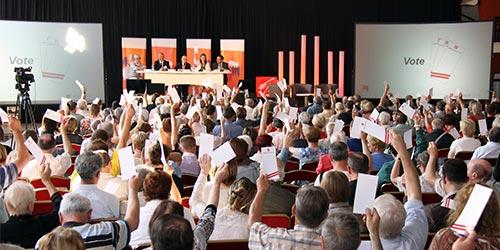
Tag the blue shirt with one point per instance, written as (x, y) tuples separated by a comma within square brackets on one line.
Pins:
[(378, 159), (232, 130), (309, 154), (315, 109)]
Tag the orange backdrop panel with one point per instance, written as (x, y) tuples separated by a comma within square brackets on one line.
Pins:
[(168, 46)]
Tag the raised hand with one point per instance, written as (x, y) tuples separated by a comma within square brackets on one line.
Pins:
[(205, 164)]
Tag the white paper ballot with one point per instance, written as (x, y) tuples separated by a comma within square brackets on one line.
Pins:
[(376, 131), (407, 136), (339, 125), (219, 112), (206, 144), (111, 187), (127, 162), (281, 85), (80, 85), (53, 115), (173, 94), (34, 149), (454, 132), (154, 136), (227, 89), (163, 159), (286, 102), (407, 110), (222, 154), (278, 99), (424, 104), (365, 193), (374, 115), (191, 111), (281, 116), (287, 124), (464, 113), (4, 116), (293, 113), (483, 128), (64, 102), (262, 95), (235, 106), (96, 101), (147, 146), (318, 91), (357, 126), (259, 104), (473, 209), (268, 163)]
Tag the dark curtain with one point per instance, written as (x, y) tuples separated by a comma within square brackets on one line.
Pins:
[(266, 25)]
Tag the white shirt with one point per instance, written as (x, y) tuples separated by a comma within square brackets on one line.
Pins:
[(278, 138), (58, 166), (464, 145), (490, 150), (104, 205), (141, 234), (230, 225)]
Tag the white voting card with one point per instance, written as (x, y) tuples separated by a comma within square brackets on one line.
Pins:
[(53, 115), (268, 162), (357, 126), (407, 110), (4, 116), (339, 125), (222, 154), (454, 132), (219, 112), (34, 149), (483, 128), (376, 131), (172, 92), (111, 187), (407, 136), (374, 115), (473, 209), (464, 113), (127, 162), (206, 144), (364, 197), (293, 113)]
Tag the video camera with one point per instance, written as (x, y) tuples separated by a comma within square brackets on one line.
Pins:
[(23, 79)]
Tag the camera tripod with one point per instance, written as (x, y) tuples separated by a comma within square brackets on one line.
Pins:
[(24, 106)]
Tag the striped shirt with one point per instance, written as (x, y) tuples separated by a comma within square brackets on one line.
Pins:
[(300, 237), (8, 174), (103, 235)]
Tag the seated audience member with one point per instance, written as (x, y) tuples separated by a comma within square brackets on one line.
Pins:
[(491, 111), (71, 132), (138, 145), (312, 152), (399, 181), (189, 164), (476, 111), (61, 238), (278, 135), (232, 130), (439, 135), (104, 205), (346, 115), (384, 119), (376, 149), (487, 227), (156, 188), (317, 107), (400, 121), (58, 163), (196, 125), (467, 143), (23, 228), (336, 160), (76, 211), (357, 163), (246, 167), (202, 187), (403, 227), (492, 147), (171, 231), (336, 185), (480, 171), (14, 165), (231, 220), (241, 118), (310, 209)]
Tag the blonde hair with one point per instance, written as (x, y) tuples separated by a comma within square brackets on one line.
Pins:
[(489, 223), (241, 195), (336, 185), (366, 106), (139, 140), (468, 127), (72, 124), (61, 239), (319, 121), (375, 142), (3, 154)]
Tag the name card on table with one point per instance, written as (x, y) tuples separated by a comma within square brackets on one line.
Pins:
[(366, 189), (206, 144), (268, 163), (473, 209), (53, 115), (357, 126), (376, 131), (407, 110), (34, 150), (172, 92), (483, 127), (222, 154), (4, 116), (127, 162)]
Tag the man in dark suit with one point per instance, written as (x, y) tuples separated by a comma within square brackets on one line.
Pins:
[(183, 64), (220, 64), (161, 63)]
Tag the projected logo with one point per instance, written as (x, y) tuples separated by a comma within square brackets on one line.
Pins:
[(445, 57), (55, 55)]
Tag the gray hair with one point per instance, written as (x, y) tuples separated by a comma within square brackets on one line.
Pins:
[(82, 104), (88, 165), (73, 203), (18, 198), (392, 216), (305, 118), (108, 127), (341, 231), (437, 123), (384, 118), (311, 205)]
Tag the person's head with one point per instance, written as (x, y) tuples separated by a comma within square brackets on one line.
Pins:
[(392, 216), (82, 104), (61, 238), (467, 127), (241, 113), (491, 109), (313, 134), (72, 124), (357, 163), (248, 141), (339, 107), (437, 124), (449, 107), (263, 141), (98, 144), (311, 206), (327, 105), (384, 118), (494, 134), (203, 58), (72, 105), (476, 108), (157, 185), (19, 198), (47, 142), (219, 59), (305, 118), (440, 105), (171, 232), (449, 120), (317, 100), (399, 117), (3, 154), (240, 148), (139, 140), (336, 185), (187, 144), (277, 123), (341, 231), (338, 151), (319, 121), (229, 114), (454, 172), (184, 59), (209, 124), (161, 56), (94, 110), (251, 132), (154, 153), (166, 207), (489, 223), (75, 207), (374, 144), (479, 170), (88, 165), (241, 195)]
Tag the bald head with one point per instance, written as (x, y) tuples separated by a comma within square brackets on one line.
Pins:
[(479, 171)]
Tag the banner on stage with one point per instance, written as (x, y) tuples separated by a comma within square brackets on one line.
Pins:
[(132, 47), (196, 47), (167, 46), (262, 84), (233, 51)]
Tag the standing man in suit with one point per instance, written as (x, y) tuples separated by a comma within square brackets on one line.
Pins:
[(161, 63), (219, 64), (183, 64)]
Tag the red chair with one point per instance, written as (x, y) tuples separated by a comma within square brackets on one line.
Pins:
[(76, 147), (227, 245), (58, 181), (388, 188), (42, 207), (300, 175), (185, 202), (188, 180), (311, 166), (291, 165), (42, 194), (443, 153), (70, 170), (276, 220), (431, 198)]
